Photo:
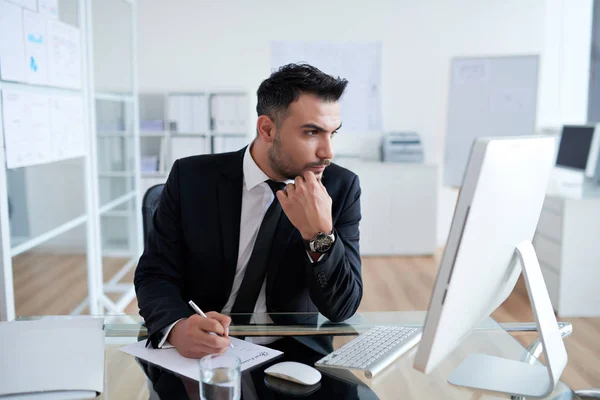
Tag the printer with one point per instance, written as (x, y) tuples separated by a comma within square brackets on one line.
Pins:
[(401, 147)]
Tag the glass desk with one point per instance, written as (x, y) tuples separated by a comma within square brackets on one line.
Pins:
[(126, 379)]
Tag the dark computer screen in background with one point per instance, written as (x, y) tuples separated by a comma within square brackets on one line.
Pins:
[(574, 146)]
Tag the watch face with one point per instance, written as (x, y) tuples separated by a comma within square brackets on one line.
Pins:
[(322, 243)]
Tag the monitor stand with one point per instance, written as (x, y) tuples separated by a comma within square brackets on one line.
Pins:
[(518, 378)]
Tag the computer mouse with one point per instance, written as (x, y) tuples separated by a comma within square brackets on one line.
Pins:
[(294, 372)]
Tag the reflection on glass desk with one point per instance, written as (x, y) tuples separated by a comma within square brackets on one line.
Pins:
[(128, 378)]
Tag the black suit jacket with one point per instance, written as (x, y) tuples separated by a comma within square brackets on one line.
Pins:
[(192, 251)]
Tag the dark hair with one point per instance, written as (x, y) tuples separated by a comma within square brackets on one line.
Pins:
[(285, 86)]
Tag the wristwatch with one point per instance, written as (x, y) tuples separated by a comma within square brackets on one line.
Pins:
[(320, 243)]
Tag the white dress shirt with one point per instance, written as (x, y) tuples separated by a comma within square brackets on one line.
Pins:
[(257, 196)]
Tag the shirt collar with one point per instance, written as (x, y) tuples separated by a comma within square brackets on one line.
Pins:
[(253, 175)]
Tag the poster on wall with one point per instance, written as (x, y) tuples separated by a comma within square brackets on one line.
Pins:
[(358, 62), (48, 8), (40, 128), (29, 4), (26, 128), (12, 46), (64, 55), (36, 50), (66, 127)]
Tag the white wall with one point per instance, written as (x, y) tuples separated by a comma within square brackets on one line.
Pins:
[(565, 66), (200, 45)]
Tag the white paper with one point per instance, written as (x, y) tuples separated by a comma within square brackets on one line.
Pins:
[(358, 62), (36, 48), (30, 4), (64, 55), (12, 46), (66, 127), (48, 8), (250, 356), (26, 128)]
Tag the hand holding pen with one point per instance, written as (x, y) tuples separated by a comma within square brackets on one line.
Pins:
[(200, 312), (201, 334)]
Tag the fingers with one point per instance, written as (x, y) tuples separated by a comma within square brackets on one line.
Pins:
[(309, 177), (224, 320), (211, 325)]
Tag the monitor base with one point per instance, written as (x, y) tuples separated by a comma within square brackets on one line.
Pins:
[(518, 378)]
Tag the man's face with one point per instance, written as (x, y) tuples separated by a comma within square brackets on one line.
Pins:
[(303, 139)]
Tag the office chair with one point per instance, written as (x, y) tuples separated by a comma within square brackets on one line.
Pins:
[(149, 205)]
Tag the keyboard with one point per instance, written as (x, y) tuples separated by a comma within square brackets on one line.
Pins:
[(373, 350)]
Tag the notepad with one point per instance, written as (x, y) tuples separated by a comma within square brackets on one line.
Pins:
[(250, 355)]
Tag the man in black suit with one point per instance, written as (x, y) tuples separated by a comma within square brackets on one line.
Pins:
[(273, 227)]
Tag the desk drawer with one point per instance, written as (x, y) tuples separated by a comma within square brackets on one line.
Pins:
[(548, 251), (552, 280), (550, 225)]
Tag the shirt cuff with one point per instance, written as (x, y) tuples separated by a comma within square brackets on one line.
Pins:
[(311, 259), (164, 344)]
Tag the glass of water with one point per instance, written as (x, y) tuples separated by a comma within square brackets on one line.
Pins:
[(220, 377)]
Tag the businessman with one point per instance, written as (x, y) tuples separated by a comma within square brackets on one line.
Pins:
[(273, 227)]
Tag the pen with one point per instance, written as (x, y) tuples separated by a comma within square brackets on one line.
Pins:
[(199, 311)]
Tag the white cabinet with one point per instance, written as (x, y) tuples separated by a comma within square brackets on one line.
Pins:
[(567, 243), (398, 206)]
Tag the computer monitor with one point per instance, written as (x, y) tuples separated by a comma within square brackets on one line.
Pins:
[(579, 147), (490, 239)]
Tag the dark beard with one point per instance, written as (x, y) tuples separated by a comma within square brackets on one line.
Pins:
[(276, 158)]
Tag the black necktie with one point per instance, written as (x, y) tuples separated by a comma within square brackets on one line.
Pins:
[(256, 269)]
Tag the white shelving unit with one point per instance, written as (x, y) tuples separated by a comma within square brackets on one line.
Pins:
[(175, 125), (105, 194)]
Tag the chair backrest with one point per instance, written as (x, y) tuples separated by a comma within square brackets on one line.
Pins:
[(149, 205)]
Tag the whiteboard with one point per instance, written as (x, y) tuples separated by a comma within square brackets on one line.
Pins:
[(358, 62), (488, 96)]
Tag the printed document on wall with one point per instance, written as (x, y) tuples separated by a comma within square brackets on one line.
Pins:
[(29, 4), (66, 127), (12, 46), (26, 128), (358, 62), (48, 8), (36, 50), (64, 55)]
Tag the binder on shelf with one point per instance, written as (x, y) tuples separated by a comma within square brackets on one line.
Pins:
[(186, 146), (229, 113), (200, 119), (188, 113), (225, 144)]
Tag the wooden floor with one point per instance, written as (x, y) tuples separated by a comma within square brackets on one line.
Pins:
[(49, 284)]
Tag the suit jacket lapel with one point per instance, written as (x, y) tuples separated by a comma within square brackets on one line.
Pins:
[(230, 211)]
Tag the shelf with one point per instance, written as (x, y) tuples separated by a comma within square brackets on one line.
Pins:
[(154, 174), (114, 97), (188, 134), (217, 134), (116, 174), (153, 134), (108, 134)]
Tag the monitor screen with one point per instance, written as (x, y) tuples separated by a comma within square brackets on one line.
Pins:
[(574, 148)]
